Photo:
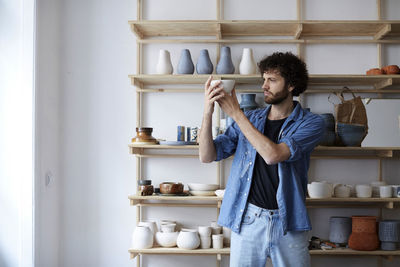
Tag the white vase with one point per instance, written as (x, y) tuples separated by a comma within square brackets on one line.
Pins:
[(188, 240), (142, 238), (247, 65), (164, 65)]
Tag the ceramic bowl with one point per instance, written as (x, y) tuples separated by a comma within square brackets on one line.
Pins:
[(171, 188), (320, 190), (202, 193), (363, 190), (391, 69), (376, 187), (168, 227), (374, 71), (167, 239), (351, 134), (227, 85), (342, 191), (188, 240), (202, 187)]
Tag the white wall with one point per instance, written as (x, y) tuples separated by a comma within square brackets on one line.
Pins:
[(87, 50)]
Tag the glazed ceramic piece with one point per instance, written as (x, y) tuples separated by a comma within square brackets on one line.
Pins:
[(225, 64), (185, 65), (143, 136), (204, 64), (227, 85), (146, 190), (144, 182), (204, 231), (364, 235), (363, 191), (396, 190), (329, 120), (167, 239), (389, 230), (320, 190), (342, 191), (247, 64), (217, 241), (168, 227), (385, 191), (202, 193), (248, 102), (164, 65), (171, 188), (391, 69), (142, 238), (205, 241), (351, 134), (376, 187), (374, 71), (188, 240), (339, 229), (202, 187)]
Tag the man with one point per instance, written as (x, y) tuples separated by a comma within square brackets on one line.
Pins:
[(264, 202)]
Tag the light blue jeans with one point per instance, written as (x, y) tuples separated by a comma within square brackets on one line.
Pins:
[(261, 236)]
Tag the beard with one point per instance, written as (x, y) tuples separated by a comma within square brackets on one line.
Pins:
[(277, 98)]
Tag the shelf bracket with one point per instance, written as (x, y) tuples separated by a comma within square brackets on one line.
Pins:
[(385, 154), (383, 32), (133, 255), (389, 205), (298, 31), (136, 31), (384, 83)]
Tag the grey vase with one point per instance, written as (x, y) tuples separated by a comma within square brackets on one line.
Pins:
[(185, 65), (248, 102), (339, 229), (204, 64), (225, 64)]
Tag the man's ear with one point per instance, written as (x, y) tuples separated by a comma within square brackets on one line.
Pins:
[(290, 88)]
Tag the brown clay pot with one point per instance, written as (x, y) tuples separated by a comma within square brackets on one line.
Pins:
[(391, 69), (144, 136), (171, 188), (146, 190), (364, 234), (374, 71)]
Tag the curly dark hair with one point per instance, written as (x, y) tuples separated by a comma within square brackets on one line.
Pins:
[(290, 67)]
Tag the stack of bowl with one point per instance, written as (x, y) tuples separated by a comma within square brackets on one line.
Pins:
[(202, 189), (329, 135)]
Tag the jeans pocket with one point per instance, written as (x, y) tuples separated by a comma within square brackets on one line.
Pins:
[(248, 218)]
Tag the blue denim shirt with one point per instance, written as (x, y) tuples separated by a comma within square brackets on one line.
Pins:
[(301, 132)]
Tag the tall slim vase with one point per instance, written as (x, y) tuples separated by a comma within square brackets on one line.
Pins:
[(164, 65), (204, 64), (247, 65), (225, 64), (185, 65)]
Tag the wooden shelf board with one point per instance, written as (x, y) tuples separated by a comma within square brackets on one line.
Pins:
[(160, 28), (315, 79), (176, 250), (226, 251), (176, 198)]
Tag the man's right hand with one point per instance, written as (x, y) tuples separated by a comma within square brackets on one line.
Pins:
[(211, 94)]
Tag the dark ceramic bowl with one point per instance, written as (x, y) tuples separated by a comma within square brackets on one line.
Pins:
[(328, 139), (171, 188), (144, 182), (351, 134), (329, 120)]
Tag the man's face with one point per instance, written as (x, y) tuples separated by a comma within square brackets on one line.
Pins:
[(275, 89)]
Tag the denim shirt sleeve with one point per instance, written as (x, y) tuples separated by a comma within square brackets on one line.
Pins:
[(305, 138), (225, 144)]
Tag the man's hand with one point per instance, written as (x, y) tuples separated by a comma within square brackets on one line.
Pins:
[(229, 104), (211, 94)]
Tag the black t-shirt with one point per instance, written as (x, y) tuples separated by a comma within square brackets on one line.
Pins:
[(265, 177)]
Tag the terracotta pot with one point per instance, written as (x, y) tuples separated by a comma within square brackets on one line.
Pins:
[(171, 188), (391, 69), (374, 71), (144, 136), (364, 235)]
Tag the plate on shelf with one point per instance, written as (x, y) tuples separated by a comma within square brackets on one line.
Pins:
[(202, 187), (202, 193), (184, 194), (177, 143)]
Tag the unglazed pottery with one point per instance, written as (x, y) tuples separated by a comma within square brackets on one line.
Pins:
[(227, 85), (248, 102), (218, 241), (142, 238), (185, 65), (339, 229), (247, 64), (205, 241), (167, 239), (204, 231), (363, 190), (364, 235), (320, 190), (342, 191), (188, 240), (164, 65), (204, 64), (225, 64)]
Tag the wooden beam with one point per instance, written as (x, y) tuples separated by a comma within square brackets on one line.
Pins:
[(384, 83)]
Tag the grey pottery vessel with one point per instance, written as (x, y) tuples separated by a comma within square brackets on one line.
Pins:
[(185, 65), (225, 64), (248, 102), (389, 245), (339, 229), (351, 134), (329, 120), (204, 64), (389, 231)]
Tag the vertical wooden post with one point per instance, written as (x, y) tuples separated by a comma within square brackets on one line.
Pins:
[(379, 9), (299, 10), (379, 169), (139, 10)]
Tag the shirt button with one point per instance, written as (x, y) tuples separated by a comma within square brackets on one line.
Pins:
[(241, 210), (245, 194), (251, 163), (248, 179)]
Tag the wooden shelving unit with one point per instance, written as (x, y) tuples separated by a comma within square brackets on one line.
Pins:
[(224, 32)]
